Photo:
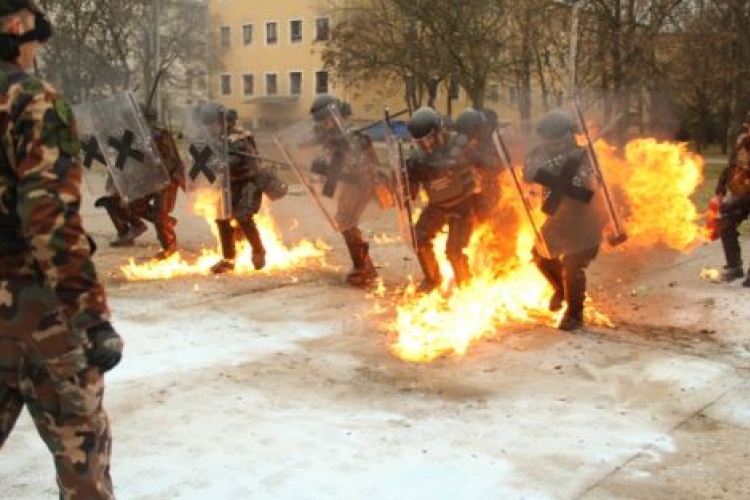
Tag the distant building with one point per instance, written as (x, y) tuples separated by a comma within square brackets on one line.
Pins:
[(266, 63)]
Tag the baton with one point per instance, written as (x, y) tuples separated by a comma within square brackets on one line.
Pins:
[(620, 235), (502, 150)]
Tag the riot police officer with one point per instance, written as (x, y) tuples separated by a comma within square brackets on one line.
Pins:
[(157, 207), (439, 164), (352, 197), (572, 232), (245, 191), (480, 153), (733, 188)]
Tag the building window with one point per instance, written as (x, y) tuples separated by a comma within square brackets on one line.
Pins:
[(321, 82), (272, 84), (321, 28), (295, 30), (247, 34), (295, 83), (224, 37), (248, 85), (272, 33), (226, 85)]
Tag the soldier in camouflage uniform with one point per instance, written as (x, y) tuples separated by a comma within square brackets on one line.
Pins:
[(246, 193), (55, 338)]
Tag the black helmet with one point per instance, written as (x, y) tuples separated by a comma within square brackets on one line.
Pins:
[(232, 115), (319, 106), (554, 125), (491, 116), (471, 123), (212, 112), (423, 122)]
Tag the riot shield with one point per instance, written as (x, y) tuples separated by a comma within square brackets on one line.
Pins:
[(91, 153), (126, 143), (207, 176), (337, 168), (400, 182), (561, 194)]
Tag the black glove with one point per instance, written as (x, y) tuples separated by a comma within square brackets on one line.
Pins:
[(105, 350)]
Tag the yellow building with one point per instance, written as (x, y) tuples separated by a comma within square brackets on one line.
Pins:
[(266, 63)]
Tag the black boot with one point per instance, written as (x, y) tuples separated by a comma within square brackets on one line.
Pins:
[(118, 216), (551, 269), (430, 269), (730, 243), (250, 230), (461, 271), (574, 284), (363, 271), (226, 240)]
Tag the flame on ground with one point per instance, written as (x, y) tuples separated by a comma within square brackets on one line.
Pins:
[(279, 257), (653, 182)]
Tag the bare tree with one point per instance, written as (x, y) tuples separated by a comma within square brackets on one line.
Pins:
[(103, 46)]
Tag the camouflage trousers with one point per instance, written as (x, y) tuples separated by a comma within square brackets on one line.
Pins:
[(68, 415)]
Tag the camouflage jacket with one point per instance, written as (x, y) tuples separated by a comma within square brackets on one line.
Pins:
[(167, 149), (42, 239)]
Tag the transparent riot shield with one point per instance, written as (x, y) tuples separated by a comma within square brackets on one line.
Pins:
[(91, 153), (402, 190), (337, 169), (561, 193), (128, 147), (207, 176)]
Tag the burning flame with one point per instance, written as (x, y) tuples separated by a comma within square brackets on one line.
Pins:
[(653, 181), (304, 254)]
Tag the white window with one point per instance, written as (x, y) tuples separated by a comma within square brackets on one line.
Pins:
[(321, 28), (272, 84), (272, 33), (248, 85), (225, 35), (295, 31), (295, 83), (247, 34), (321, 82), (226, 84)]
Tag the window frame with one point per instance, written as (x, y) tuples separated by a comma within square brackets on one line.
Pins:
[(291, 87), (245, 41), (244, 86), (265, 38), (291, 31), (225, 77), (265, 83)]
